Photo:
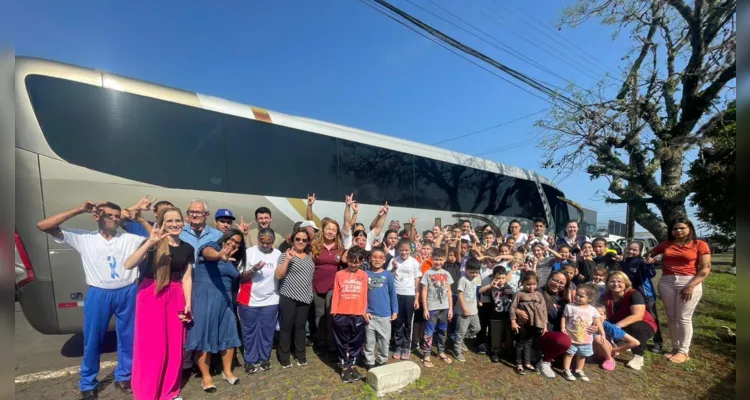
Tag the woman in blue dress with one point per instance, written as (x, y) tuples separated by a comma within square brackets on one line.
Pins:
[(214, 327)]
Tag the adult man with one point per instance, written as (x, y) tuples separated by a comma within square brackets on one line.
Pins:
[(195, 232), (224, 219), (540, 227), (111, 287), (264, 219)]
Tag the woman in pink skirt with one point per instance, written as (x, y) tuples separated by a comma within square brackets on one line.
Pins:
[(162, 308)]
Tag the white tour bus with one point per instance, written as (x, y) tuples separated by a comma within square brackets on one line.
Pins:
[(83, 134)]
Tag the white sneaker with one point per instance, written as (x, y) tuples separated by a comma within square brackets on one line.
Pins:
[(636, 363), (568, 375), (545, 369), (580, 375)]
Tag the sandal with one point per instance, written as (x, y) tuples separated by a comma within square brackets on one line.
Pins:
[(427, 363), (520, 370), (679, 358), (671, 354), (445, 358), (531, 368)]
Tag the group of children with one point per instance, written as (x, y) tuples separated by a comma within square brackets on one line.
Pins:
[(488, 293)]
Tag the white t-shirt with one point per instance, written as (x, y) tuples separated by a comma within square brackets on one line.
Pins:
[(263, 289), (521, 240), (404, 275), (544, 239), (371, 238), (104, 260)]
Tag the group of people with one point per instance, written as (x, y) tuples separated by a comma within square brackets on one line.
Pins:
[(182, 291)]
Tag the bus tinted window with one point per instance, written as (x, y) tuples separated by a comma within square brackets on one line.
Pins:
[(274, 160), (442, 185), (376, 175), (559, 208), (130, 136)]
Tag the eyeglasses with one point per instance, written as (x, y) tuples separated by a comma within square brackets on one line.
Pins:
[(196, 213), (300, 240), (355, 261)]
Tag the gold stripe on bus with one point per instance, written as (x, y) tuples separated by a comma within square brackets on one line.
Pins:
[(301, 206), (261, 114)]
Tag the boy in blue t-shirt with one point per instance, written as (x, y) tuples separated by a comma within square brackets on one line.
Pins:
[(382, 308), (616, 341)]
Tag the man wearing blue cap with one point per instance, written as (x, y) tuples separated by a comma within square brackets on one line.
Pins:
[(224, 219)]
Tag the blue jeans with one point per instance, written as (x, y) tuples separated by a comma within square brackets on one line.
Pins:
[(98, 308)]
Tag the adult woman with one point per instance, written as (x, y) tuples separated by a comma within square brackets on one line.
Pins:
[(687, 263), (514, 231), (214, 327), (295, 272), (326, 252), (626, 308), (162, 308), (573, 239), (258, 301), (553, 343)]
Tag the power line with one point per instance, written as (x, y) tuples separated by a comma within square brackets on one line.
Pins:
[(576, 47), (509, 146), (561, 57), (474, 53), (452, 50), (490, 127), (500, 45)]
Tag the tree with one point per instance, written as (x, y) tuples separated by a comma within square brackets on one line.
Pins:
[(678, 71), (715, 168)]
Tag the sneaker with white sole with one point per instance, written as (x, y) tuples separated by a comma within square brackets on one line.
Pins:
[(580, 375), (636, 363), (483, 348), (545, 369), (568, 375)]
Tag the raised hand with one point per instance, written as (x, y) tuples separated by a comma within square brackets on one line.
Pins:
[(157, 234), (355, 206), (290, 254), (144, 204), (413, 221), (311, 199), (386, 207), (348, 200), (226, 252), (244, 227), (89, 206)]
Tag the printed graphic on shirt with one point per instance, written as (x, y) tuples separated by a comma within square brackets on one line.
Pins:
[(437, 290), (502, 299), (351, 288), (579, 318), (376, 282)]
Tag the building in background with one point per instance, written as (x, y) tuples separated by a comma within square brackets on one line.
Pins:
[(588, 222)]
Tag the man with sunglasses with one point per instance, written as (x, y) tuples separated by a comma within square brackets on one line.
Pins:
[(112, 288)]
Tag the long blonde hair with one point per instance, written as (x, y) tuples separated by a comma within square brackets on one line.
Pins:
[(317, 244), (162, 258)]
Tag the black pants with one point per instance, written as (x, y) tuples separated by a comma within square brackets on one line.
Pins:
[(293, 315), (323, 323), (641, 331), (499, 336), (524, 341), (402, 325), (349, 333), (651, 308), (417, 328), (484, 323)]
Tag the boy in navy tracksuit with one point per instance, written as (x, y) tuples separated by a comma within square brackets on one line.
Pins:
[(640, 274)]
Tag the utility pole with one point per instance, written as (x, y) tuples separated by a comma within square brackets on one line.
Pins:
[(629, 222)]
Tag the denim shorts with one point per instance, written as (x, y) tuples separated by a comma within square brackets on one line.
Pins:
[(583, 350)]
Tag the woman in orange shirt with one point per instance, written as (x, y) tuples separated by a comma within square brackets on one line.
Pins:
[(686, 264)]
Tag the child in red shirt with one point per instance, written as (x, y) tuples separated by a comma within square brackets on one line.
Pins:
[(348, 308)]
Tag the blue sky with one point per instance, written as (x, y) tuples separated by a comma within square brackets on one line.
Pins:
[(341, 61)]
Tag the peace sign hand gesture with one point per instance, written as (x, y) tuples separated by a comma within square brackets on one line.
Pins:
[(226, 252), (157, 234), (348, 200), (311, 199), (244, 227)]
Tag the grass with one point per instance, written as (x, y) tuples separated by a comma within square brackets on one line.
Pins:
[(710, 373)]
